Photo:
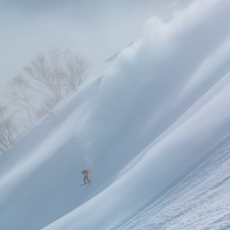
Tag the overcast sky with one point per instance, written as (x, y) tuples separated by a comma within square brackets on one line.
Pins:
[(95, 29)]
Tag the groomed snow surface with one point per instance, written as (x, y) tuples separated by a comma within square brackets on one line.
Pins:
[(152, 125)]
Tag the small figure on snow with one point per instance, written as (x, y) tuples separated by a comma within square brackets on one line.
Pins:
[(86, 174)]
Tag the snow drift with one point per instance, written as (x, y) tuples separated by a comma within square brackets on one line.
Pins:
[(138, 123)]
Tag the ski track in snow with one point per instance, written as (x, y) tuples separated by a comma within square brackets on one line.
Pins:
[(199, 201)]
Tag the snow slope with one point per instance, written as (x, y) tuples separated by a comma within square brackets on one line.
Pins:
[(198, 200), (139, 122)]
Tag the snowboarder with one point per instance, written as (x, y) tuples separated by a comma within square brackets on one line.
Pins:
[(86, 174)]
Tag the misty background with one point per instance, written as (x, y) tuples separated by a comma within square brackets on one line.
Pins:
[(36, 73), (93, 29)]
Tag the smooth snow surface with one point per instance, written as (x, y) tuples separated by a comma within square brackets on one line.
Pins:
[(148, 124)]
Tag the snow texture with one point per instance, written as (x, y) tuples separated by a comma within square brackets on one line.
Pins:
[(152, 125)]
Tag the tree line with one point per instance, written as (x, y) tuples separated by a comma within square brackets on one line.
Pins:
[(45, 82)]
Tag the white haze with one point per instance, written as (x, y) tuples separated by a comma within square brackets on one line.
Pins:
[(95, 29), (143, 121)]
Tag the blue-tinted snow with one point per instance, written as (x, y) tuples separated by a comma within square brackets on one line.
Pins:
[(138, 123)]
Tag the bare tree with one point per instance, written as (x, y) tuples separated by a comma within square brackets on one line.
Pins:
[(21, 97), (49, 74), (56, 76), (46, 107), (8, 129), (47, 81), (76, 72)]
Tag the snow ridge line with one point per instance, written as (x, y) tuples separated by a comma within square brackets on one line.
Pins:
[(197, 105), (177, 180)]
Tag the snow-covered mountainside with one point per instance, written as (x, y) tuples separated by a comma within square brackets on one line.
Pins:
[(152, 125)]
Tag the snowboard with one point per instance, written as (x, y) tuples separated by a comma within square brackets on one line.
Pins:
[(85, 183)]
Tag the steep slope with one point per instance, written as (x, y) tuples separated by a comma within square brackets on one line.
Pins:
[(198, 200), (137, 123)]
